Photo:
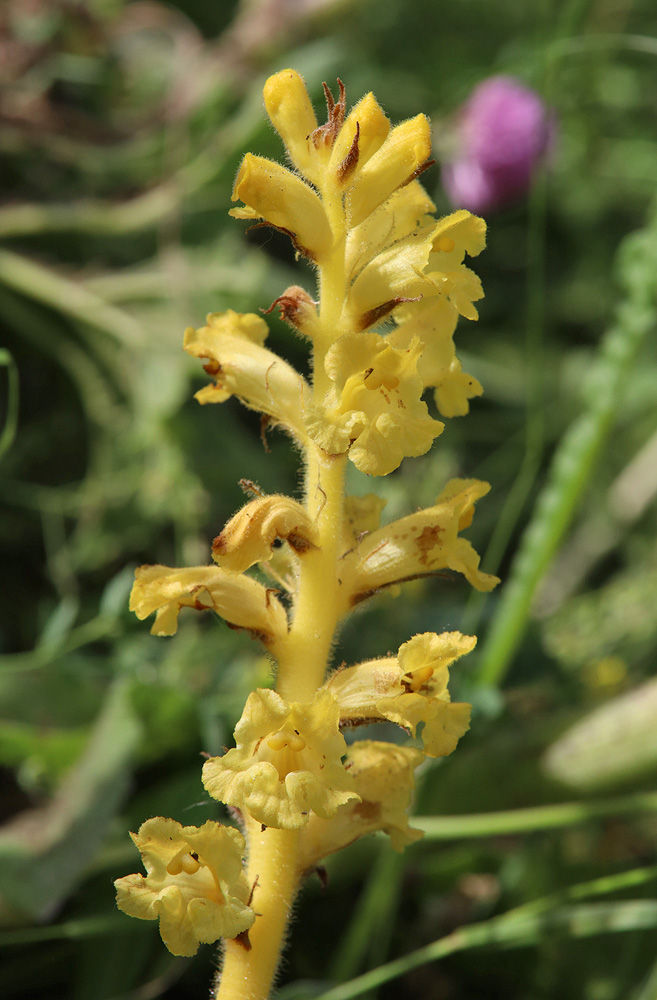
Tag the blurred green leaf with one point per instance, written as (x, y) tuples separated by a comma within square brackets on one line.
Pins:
[(11, 415), (615, 743), (44, 851)]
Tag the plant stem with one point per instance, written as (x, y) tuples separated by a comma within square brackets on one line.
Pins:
[(552, 817), (302, 664), (248, 972), (302, 657)]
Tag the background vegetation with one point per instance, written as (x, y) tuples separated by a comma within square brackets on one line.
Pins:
[(123, 125)]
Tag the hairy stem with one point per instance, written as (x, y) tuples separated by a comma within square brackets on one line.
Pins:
[(248, 972)]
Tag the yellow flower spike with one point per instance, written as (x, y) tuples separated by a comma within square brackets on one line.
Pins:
[(241, 601), (408, 689), (375, 411), (272, 192), (287, 761), (399, 160), (249, 535), (231, 345), (195, 885), (418, 545), (364, 219), (384, 778), (291, 113)]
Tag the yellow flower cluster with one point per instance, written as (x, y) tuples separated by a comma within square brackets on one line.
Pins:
[(392, 283)]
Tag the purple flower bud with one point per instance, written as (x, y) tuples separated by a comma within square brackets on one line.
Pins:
[(504, 131)]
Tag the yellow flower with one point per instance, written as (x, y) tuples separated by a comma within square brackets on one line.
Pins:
[(195, 885), (418, 545), (408, 689), (241, 601), (232, 343), (358, 153), (287, 761), (394, 276), (433, 321), (249, 535), (384, 778), (406, 211), (375, 410), (417, 257)]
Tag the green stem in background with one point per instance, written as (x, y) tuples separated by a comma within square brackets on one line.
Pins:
[(145, 211), (648, 989), (102, 627), (578, 451), (535, 401), (8, 432), (525, 926), (366, 937), (552, 817), (69, 297), (535, 407), (573, 14)]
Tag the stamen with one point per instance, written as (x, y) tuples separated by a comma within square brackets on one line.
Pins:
[(418, 678), (375, 378), (184, 861), (282, 739)]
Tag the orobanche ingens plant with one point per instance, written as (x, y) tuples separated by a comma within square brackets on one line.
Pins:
[(391, 285)]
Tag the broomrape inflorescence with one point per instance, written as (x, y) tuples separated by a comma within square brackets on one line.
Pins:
[(392, 283)]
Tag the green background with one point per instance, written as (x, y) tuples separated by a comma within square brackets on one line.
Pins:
[(123, 126)]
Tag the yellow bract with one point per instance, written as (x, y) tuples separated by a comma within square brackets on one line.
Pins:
[(406, 149), (287, 761), (195, 885), (243, 602), (408, 689), (365, 128), (292, 115)]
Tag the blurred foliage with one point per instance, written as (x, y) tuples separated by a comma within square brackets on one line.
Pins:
[(122, 127)]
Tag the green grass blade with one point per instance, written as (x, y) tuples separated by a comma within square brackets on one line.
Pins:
[(8, 433), (577, 454), (515, 929), (552, 817)]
